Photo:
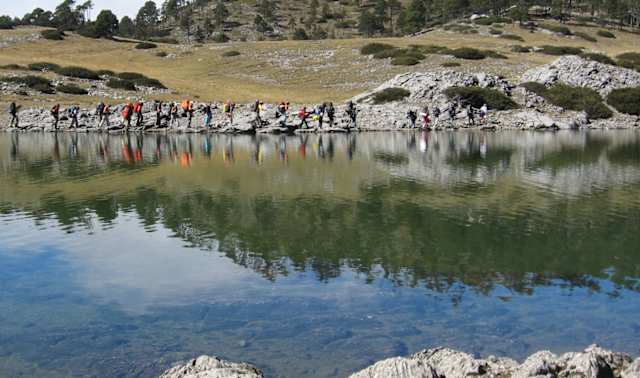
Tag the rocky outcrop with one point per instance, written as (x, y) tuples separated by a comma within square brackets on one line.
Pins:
[(579, 72), (593, 362), (212, 367)]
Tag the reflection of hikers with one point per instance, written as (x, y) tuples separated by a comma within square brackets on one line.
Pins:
[(352, 112), (158, 110), (100, 112), (470, 115), (55, 113), (484, 111), (173, 114), (412, 116), (436, 116), (228, 109), (73, 115), (126, 115), (331, 113), (106, 113), (207, 115), (425, 117), (303, 115), (137, 108), (13, 111)]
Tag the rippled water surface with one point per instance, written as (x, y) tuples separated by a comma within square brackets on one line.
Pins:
[(313, 256)]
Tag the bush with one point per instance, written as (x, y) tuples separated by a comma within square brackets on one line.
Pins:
[(390, 95), (572, 98), (462, 29), (299, 35), (43, 66), (231, 53), (71, 89), (53, 35), (141, 80), (405, 60), (521, 49), (78, 72), (220, 38), (599, 58), (432, 49), (169, 41), (373, 48), (146, 46), (512, 37), (450, 64), (161, 54), (560, 50), (389, 53), (625, 100), (494, 54), (557, 29), (121, 84), (468, 53), (34, 82), (606, 34), (629, 60), (6, 22), (493, 31), (346, 24), (476, 97), (586, 37), (106, 73)]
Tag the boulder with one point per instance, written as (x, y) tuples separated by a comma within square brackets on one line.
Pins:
[(398, 367), (632, 371), (212, 367), (451, 363)]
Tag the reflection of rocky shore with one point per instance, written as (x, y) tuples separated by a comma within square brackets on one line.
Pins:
[(593, 362)]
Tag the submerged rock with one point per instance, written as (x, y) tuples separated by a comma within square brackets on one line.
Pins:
[(212, 367)]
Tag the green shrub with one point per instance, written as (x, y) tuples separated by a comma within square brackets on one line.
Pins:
[(220, 38), (106, 73), (586, 37), (450, 64), (43, 66), (521, 49), (141, 80), (606, 34), (78, 72), (169, 41), (231, 53), (146, 46), (373, 48), (43, 88), (512, 37), (468, 53), (572, 98), (557, 29), (37, 83), (405, 60), (493, 31), (625, 100), (390, 95), (13, 67), (161, 54), (599, 58), (629, 60), (431, 49), (476, 97), (121, 84), (560, 50), (71, 89), (53, 35), (6, 23)]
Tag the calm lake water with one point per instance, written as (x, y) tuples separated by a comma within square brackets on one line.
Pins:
[(313, 256)]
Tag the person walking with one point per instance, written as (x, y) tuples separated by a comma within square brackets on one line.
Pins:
[(436, 117), (100, 112), (106, 113), (331, 114), (228, 109), (425, 118), (126, 115), (208, 115), (484, 112), (412, 115), (137, 109), (471, 119), (55, 113), (13, 111), (157, 107), (303, 115), (73, 115), (173, 114), (320, 114), (190, 111), (352, 112)]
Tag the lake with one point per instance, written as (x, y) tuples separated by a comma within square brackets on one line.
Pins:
[(313, 255)]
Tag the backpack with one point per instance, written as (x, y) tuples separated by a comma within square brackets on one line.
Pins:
[(125, 111), (100, 108), (184, 105), (302, 113), (55, 109), (106, 109), (225, 108), (13, 108)]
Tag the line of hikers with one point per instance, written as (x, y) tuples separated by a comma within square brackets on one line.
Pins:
[(427, 121)]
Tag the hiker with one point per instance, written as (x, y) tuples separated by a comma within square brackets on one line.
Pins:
[(352, 112), (184, 105), (436, 116), (173, 114), (126, 115), (55, 113), (100, 111), (106, 112), (190, 111), (13, 111), (73, 115), (157, 107), (303, 114), (281, 113), (256, 111), (412, 115), (320, 114), (228, 109), (137, 109), (452, 111), (470, 115), (331, 113), (207, 116), (425, 118), (484, 111)]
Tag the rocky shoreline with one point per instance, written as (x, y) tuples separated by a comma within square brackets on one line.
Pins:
[(593, 362), (421, 89)]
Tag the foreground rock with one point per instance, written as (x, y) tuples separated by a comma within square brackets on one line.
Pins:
[(212, 367), (593, 362)]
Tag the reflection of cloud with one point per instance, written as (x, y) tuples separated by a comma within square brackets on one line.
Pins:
[(137, 269)]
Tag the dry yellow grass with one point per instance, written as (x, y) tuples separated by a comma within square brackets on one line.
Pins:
[(300, 71)]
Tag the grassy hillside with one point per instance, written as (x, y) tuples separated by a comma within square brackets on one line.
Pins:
[(299, 71)]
